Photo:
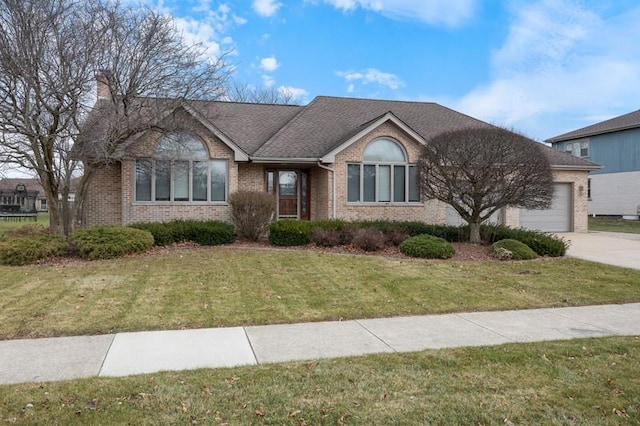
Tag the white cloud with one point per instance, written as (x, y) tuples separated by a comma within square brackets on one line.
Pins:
[(294, 93), (266, 8), (194, 31), (268, 81), (560, 66), (451, 13), (269, 64), (371, 75)]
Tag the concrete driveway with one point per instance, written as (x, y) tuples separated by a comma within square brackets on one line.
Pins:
[(612, 248)]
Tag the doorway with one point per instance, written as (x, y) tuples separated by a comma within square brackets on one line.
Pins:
[(291, 188)]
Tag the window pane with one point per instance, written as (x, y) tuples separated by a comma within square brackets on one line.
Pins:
[(181, 181), (181, 146), (163, 180), (353, 182), (399, 177), (414, 187), (384, 150), (584, 149), (384, 182), (199, 184), (143, 180), (270, 182), (369, 183), (218, 180), (287, 184)]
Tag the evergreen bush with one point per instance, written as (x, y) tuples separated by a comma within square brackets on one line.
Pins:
[(31, 244), (517, 249), (106, 242), (290, 232), (427, 246)]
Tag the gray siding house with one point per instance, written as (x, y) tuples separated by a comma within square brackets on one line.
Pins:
[(615, 145)]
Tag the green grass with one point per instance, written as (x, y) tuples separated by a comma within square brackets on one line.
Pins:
[(224, 286), (43, 219), (578, 382), (614, 225)]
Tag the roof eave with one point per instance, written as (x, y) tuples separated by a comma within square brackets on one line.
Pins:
[(283, 160), (587, 168), (563, 138)]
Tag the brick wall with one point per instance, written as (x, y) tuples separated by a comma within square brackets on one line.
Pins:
[(103, 203)]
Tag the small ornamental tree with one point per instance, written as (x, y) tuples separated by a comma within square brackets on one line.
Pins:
[(478, 171)]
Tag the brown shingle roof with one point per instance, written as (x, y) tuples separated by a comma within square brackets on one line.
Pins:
[(623, 122), (269, 132), (328, 121)]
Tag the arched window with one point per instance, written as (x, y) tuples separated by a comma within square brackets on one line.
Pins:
[(180, 170), (383, 176)]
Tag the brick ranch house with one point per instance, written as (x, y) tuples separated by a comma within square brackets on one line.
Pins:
[(333, 158)]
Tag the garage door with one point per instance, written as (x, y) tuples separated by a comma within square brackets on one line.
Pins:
[(555, 219), (454, 219)]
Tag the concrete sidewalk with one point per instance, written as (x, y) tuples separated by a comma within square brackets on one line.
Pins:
[(124, 354)]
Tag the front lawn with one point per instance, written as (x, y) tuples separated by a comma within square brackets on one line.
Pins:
[(226, 286), (614, 225), (5, 225), (577, 382)]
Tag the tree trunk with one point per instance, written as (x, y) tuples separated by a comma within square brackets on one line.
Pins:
[(474, 233)]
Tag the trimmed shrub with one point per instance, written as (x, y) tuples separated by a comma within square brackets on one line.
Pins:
[(252, 212), (205, 233), (541, 243), (368, 239), (106, 242), (162, 232), (325, 237), (427, 246), (517, 249), (290, 232), (211, 233), (25, 246)]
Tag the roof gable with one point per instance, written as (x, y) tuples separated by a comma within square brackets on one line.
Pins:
[(366, 128)]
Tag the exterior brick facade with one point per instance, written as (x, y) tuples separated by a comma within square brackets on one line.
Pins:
[(111, 198)]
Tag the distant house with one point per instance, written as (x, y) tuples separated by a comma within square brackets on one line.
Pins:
[(22, 195), (334, 158), (27, 193), (614, 144)]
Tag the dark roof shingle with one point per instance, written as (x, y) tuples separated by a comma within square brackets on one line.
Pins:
[(622, 122)]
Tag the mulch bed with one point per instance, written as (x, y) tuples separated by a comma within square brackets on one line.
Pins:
[(464, 251)]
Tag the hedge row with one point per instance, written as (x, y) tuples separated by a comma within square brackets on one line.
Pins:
[(296, 233), (205, 233), (33, 244)]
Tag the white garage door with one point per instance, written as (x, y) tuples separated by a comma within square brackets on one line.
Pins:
[(454, 219), (555, 219)]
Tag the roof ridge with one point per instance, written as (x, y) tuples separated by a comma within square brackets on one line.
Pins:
[(376, 100), (597, 128)]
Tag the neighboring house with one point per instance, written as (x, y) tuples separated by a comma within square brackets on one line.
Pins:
[(334, 158), (27, 193), (22, 195), (614, 144)]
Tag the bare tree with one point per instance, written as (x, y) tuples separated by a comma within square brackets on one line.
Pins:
[(478, 171), (50, 54), (240, 92)]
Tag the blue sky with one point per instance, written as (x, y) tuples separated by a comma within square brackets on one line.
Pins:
[(542, 67)]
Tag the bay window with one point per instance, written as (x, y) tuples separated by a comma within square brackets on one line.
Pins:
[(180, 170)]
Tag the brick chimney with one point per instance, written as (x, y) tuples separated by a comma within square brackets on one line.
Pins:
[(102, 85)]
